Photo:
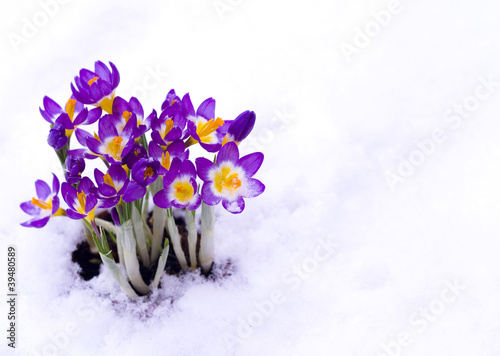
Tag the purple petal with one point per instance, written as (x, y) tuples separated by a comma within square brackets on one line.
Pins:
[(207, 109), (51, 106), (134, 192), (161, 199), (37, 223), (29, 208), (208, 196), (115, 75), (74, 215), (82, 135), (102, 71), (196, 203), (55, 184), (187, 106), (80, 118), (42, 190), (251, 163), (255, 188), (55, 204), (204, 168), (115, 217), (228, 153), (242, 125), (106, 203), (188, 168), (235, 206), (93, 116)]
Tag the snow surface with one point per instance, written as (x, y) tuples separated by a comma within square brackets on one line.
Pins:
[(329, 260)]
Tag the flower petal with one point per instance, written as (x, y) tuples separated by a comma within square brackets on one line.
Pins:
[(235, 206), (228, 153), (251, 163), (208, 196)]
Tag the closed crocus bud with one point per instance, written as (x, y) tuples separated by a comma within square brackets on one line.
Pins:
[(57, 137), (74, 169), (240, 128)]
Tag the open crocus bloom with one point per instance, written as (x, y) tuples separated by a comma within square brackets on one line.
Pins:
[(83, 202), (45, 206), (98, 87), (180, 188), (230, 180)]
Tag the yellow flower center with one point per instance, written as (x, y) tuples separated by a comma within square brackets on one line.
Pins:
[(227, 180), (206, 129), (149, 172), (183, 191), (115, 148)]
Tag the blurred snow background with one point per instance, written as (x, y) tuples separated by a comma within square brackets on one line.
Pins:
[(339, 256)]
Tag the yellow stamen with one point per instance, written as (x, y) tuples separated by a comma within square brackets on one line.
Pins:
[(126, 115), (70, 108), (108, 180), (204, 130), (149, 172), (42, 204), (165, 160), (169, 124), (82, 199), (91, 81), (183, 191), (115, 147), (96, 136)]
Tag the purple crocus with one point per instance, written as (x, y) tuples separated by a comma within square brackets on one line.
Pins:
[(112, 185), (240, 128), (168, 127), (136, 153), (203, 127), (113, 145), (165, 157), (83, 202), (57, 138), (74, 169), (44, 206), (125, 110), (51, 110), (84, 117), (230, 180), (180, 188), (97, 87), (170, 100)]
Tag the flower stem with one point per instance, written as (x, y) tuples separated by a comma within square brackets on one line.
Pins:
[(192, 236), (206, 254)]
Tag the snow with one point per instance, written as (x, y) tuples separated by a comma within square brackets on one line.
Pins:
[(334, 258)]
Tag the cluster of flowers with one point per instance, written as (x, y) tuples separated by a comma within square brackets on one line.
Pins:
[(138, 168)]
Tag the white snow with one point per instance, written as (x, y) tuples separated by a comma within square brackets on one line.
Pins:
[(329, 260)]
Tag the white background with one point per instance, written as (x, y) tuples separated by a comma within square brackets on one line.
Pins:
[(332, 127)]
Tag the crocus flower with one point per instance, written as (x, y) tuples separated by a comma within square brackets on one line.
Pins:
[(57, 138), (125, 110), (44, 206), (180, 188), (145, 171), (171, 99), (83, 202), (203, 127), (111, 186), (74, 169), (98, 87), (52, 110), (84, 117), (168, 127), (230, 180), (240, 128), (136, 153), (111, 144), (165, 157)]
